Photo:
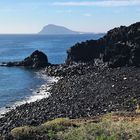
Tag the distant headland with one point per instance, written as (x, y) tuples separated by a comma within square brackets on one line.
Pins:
[(52, 29)]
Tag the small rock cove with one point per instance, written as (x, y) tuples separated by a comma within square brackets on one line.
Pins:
[(88, 87), (19, 85)]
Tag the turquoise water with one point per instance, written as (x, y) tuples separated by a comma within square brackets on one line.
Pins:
[(18, 83)]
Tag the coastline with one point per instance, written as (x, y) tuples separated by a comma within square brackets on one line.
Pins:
[(37, 94), (89, 88), (88, 91)]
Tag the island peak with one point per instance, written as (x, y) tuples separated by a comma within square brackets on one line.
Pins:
[(52, 29)]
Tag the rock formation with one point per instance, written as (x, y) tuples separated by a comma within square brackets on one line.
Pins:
[(36, 60), (84, 52), (119, 47)]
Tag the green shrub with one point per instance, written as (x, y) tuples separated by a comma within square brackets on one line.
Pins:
[(48, 130), (64, 129), (23, 132), (105, 130)]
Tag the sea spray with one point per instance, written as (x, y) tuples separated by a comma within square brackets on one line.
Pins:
[(38, 94)]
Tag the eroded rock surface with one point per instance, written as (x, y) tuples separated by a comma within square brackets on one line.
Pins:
[(119, 47), (36, 60)]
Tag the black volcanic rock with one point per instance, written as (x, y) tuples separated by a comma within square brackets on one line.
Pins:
[(36, 60), (117, 55), (84, 52), (119, 47), (86, 91), (123, 46)]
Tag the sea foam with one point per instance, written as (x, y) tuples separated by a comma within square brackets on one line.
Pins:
[(37, 94)]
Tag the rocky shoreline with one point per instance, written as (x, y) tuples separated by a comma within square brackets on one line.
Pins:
[(37, 94), (99, 76), (86, 93)]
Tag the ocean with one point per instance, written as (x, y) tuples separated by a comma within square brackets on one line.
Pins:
[(18, 85)]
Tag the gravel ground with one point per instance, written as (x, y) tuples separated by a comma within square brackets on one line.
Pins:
[(86, 92)]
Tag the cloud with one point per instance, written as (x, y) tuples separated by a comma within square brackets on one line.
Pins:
[(101, 3), (64, 11), (87, 15)]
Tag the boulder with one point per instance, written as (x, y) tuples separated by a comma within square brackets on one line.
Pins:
[(36, 60)]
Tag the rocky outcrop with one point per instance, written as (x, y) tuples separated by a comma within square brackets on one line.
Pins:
[(123, 46), (36, 60), (85, 51), (119, 47)]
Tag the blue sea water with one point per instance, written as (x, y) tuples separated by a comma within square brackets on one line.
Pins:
[(18, 83)]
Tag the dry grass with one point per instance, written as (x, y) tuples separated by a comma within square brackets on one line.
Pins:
[(113, 126), (59, 121), (48, 130), (22, 132)]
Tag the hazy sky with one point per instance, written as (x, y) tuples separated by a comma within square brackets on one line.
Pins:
[(29, 16)]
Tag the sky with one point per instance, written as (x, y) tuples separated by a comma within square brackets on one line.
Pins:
[(30, 16)]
